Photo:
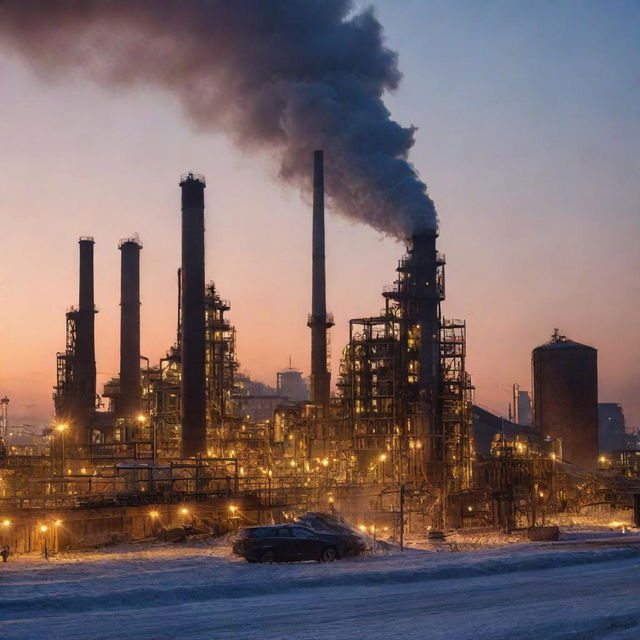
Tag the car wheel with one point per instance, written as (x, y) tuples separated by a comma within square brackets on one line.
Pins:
[(268, 556), (328, 555)]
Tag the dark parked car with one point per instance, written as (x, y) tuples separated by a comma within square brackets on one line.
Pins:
[(293, 542)]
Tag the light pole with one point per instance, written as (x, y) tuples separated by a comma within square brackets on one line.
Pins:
[(45, 550), (383, 457), (61, 428)]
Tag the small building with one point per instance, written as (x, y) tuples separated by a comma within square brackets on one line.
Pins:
[(611, 428)]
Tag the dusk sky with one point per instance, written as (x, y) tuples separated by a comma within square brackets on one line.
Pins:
[(528, 139)]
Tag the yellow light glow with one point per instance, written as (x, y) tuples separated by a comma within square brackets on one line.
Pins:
[(553, 456), (61, 427), (469, 508), (6, 523), (43, 528), (362, 527), (383, 457), (141, 418), (153, 514), (541, 494), (325, 462), (184, 511), (293, 463), (233, 509), (602, 459), (57, 523)]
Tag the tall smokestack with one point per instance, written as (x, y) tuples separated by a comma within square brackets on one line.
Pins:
[(194, 431), (129, 400), (424, 310), (85, 348), (318, 321), (427, 295)]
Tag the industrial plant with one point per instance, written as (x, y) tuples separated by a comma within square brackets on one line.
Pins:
[(396, 442)]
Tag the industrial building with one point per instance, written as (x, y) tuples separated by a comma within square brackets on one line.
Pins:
[(612, 434), (400, 440)]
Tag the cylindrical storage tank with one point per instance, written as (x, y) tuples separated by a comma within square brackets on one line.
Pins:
[(565, 388)]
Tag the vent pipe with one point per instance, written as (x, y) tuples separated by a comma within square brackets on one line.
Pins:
[(194, 431)]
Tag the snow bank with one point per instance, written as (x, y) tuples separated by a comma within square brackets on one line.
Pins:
[(164, 584)]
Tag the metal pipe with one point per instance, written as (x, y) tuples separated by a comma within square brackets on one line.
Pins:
[(194, 431)]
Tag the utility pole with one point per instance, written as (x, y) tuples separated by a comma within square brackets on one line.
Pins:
[(402, 517)]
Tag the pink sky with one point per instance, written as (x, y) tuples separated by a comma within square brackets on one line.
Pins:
[(534, 176)]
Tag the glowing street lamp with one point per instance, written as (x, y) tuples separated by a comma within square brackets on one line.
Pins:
[(381, 459), (6, 523), (45, 550)]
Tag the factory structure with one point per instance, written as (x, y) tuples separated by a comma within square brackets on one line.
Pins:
[(399, 443)]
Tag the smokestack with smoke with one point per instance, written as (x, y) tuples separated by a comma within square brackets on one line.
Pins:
[(288, 76)]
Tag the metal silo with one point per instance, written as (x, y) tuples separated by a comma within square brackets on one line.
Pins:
[(565, 387)]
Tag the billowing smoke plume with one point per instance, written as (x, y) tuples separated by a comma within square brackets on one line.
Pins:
[(288, 76)]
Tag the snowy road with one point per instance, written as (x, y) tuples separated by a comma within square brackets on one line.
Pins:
[(525, 591)]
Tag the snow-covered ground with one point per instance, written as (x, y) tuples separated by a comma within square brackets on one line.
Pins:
[(588, 587)]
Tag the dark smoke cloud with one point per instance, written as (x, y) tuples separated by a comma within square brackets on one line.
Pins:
[(287, 76)]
